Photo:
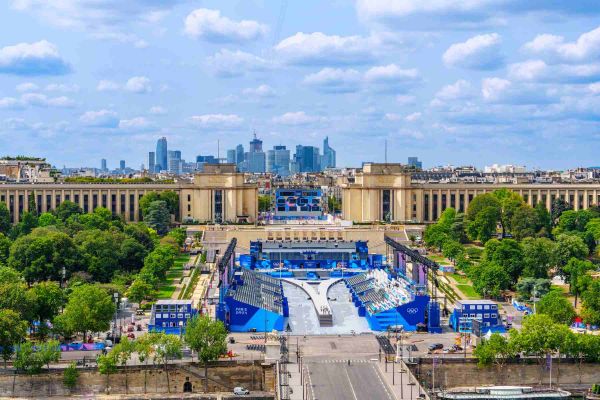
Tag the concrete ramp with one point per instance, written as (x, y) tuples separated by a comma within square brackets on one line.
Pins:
[(318, 295)]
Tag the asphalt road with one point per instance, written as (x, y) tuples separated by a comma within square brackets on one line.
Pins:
[(336, 380)]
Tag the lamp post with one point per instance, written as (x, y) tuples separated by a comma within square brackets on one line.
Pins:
[(116, 297)]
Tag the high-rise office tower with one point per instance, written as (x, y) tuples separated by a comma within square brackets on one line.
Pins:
[(151, 162), (255, 145), (278, 161), (307, 159), (174, 162), (239, 156), (231, 156), (256, 156), (122, 165), (161, 155), (328, 160), (103, 164)]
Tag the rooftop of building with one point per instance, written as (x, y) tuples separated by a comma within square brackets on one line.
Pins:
[(176, 302), (476, 302)]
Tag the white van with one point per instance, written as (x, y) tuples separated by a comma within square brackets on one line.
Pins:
[(240, 391)]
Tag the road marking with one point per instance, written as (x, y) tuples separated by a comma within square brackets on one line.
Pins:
[(385, 386), (350, 383), (312, 393)]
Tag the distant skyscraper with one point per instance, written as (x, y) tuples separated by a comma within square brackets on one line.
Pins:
[(122, 165), (414, 162), (174, 162), (231, 156), (103, 164), (161, 154), (307, 159), (239, 156), (207, 159), (328, 160), (278, 161), (151, 162), (255, 145)]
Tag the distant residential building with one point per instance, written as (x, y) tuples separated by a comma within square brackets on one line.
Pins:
[(504, 169), (161, 155), (122, 165), (103, 164), (328, 160), (151, 162), (414, 162)]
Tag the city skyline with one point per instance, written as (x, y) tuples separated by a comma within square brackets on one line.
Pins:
[(498, 82)]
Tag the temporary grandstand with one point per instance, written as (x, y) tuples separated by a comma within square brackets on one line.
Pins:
[(254, 302), (385, 302)]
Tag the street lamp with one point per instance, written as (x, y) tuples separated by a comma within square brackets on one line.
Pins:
[(116, 297)]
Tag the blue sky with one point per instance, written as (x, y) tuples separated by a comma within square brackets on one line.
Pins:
[(461, 82)]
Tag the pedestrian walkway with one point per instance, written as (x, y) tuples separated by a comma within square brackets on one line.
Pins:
[(400, 380)]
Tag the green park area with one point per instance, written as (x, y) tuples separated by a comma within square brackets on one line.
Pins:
[(174, 275)]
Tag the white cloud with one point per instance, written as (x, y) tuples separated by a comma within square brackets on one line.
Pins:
[(157, 110), (100, 119), (493, 88), (460, 89), (479, 52), (391, 78), (10, 103), (32, 59), (585, 48), (393, 117), (404, 99), (228, 64), (334, 80), (209, 25), (217, 121), (107, 86), (318, 48), (413, 117), (539, 71), (138, 84), (135, 124), (27, 87), (263, 91), (94, 15), (295, 118), (61, 87), (502, 91), (594, 87), (41, 100)]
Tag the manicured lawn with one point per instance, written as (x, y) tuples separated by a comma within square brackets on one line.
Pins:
[(168, 286), (436, 258), (468, 291), (460, 279)]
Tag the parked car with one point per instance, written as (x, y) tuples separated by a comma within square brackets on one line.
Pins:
[(435, 346), (240, 391)]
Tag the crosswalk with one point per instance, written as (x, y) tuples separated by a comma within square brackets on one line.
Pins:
[(359, 361)]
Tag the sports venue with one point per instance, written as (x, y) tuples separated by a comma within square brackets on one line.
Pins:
[(325, 287)]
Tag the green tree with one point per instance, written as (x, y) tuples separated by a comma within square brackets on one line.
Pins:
[(508, 254), (5, 221), (139, 290), (575, 273), (571, 220), (28, 223), (452, 249), (142, 234), (166, 348), (107, 364), (525, 222), (26, 360), (42, 254), (435, 235), (497, 349), (47, 219), (157, 217), (483, 226), (458, 228), (66, 209), (47, 300), (532, 287), (158, 262), (537, 257), (558, 207), (70, 376), (89, 309), (557, 307), (208, 339), (13, 296), (31, 205), (13, 331), (48, 352), (567, 247), (264, 203), (537, 336), (101, 252), (179, 234), (544, 220), (172, 200), (510, 202), (591, 303), (447, 218), (489, 278), (4, 249), (122, 354)]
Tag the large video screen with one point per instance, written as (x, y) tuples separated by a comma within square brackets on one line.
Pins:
[(298, 202)]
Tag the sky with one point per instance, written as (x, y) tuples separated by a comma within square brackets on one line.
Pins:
[(462, 82)]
